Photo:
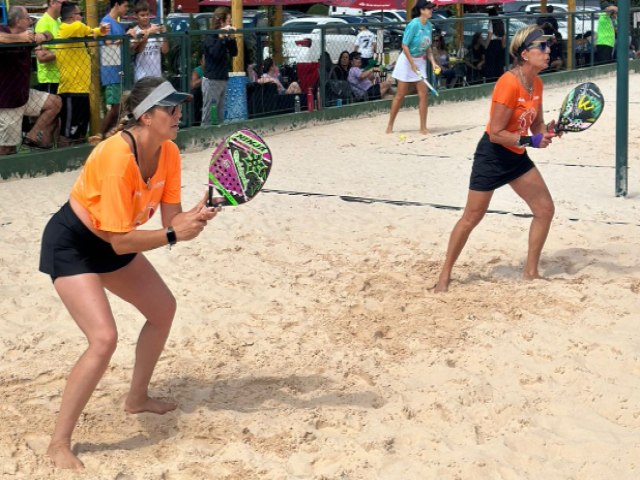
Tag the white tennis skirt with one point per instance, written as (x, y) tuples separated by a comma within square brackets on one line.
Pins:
[(403, 71)]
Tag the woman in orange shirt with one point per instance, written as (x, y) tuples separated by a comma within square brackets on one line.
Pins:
[(501, 157), (93, 244)]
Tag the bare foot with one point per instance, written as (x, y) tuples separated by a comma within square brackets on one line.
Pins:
[(533, 276), (63, 457), (442, 286), (149, 405), (424, 131), (389, 130)]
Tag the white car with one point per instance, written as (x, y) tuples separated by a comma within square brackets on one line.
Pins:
[(301, 44), (583, 17), (388, 15)]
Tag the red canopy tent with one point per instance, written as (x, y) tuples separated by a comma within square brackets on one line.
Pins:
[(369, 4), (255, 3), (470, 2)]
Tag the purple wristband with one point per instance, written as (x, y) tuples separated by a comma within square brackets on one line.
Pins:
[(536, 140)]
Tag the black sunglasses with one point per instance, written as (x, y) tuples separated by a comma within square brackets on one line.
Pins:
[(171, 111), (542, 46)]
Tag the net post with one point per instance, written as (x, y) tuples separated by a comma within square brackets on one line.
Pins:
[(622, 102)]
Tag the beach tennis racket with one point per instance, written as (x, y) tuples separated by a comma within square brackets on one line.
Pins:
[(429, 86), (581, 108), (238, 169)]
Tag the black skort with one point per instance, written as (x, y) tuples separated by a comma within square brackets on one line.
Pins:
[(70, 248), (495, 166)]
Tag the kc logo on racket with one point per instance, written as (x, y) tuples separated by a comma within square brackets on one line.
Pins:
[(585, 103)]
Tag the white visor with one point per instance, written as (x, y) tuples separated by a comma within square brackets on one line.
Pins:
[(164, 95)]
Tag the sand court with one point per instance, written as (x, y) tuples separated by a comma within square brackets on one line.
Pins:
[(307, 344)]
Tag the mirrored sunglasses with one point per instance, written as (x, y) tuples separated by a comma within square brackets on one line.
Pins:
[(542, 46)]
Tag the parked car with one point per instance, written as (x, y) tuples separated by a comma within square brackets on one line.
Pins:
[(392, 34), (301, 44), (388, 15), (583, 17), (479, 22)]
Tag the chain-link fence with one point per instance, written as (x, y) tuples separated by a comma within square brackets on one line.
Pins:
[(302, 65)]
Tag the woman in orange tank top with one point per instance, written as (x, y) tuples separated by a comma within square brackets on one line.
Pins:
[(516, 121), (93, 244)]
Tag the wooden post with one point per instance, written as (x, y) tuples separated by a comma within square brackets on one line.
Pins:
[(571, 5), (95, 97), (410, 4), (543, 6), (277, 36), (236, 20)]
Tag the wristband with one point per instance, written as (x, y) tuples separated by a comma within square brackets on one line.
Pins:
[(171, 236), (524, 142)]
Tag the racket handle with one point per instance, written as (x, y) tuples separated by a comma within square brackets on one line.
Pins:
[(210, 199)]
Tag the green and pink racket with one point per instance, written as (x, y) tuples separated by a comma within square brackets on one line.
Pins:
[(239, 168)]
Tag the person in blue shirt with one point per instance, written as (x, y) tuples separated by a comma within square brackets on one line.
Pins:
[(111, 68), (412, 62)]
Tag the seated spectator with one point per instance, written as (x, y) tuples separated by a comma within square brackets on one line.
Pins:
[(583, 49), (440, 52), (271, 74), (74, 64), (475, 58), (341, 69), (364, 83), (555, 46), (17, 99)]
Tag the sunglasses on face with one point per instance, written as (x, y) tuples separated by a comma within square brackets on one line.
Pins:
[(542, 46), (171, 111)]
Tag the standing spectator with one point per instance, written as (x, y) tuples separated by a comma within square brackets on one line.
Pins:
[(366, 45), (148, 51), (555, 48), (364, 84), (196, 91), (219, 48), (111, 68), (549, 18), (48, 74), (607, 30), (74, 64), (16, 98), (496, 46)]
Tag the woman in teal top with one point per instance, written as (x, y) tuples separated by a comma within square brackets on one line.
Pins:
[(412, 62)]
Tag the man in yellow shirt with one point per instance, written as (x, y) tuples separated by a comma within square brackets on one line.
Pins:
[(74, 64)]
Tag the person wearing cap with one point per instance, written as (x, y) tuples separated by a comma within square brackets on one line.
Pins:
[(411, 65), (94, 244), (515, 121), (607, 30)]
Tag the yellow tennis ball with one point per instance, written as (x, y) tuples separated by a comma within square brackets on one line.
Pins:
[(403, 137), (437, 70)]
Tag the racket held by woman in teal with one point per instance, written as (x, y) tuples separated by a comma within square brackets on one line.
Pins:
[(239, 168)]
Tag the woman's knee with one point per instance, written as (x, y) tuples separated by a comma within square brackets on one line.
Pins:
[(470, 220), (544, 210), (164, 312), (104, 342)]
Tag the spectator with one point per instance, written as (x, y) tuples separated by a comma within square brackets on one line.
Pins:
[(495, 46), (555, 48), (196, 91), (366, 45), (111, 68), (583, 49), (447, 74), (607, 30), (74, 64), (271, 74), (364, 84), (549, 18), (148, 51), (475, 58), (341, 69), (218, 50), (48, 73), (16, 98)]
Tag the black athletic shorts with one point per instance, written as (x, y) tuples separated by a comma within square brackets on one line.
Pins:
[(74, 115), (495, 166), (70, 248)]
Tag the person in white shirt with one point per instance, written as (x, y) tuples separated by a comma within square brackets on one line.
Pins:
[(148, 51), (366, 43)]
